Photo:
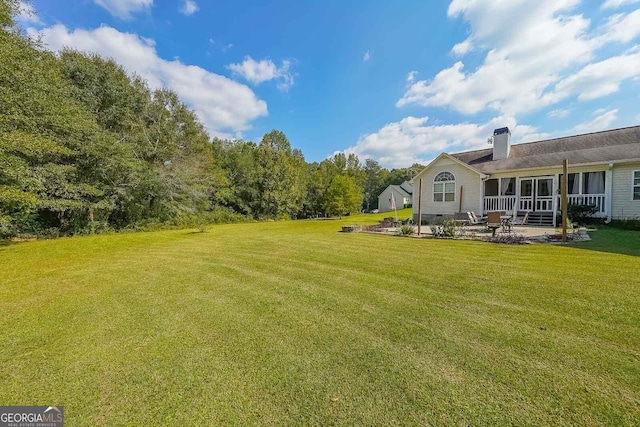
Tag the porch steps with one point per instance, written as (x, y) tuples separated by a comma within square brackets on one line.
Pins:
[(542, 219)]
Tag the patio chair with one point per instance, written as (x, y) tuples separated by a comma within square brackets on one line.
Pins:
[(521, 220), (461, 217), (473, 218), (493, 222)]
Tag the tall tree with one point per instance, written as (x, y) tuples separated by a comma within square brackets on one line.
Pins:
[(343, 196), (281, 172)]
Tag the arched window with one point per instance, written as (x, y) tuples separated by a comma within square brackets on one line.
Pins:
[(444, 187)]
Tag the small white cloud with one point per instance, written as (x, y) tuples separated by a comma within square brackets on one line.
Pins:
[(367, 56), (559, 113), (411, 76), (189, 7), (620, 28), (614, 4), (124, 9), (462, 48), (602, 122), (261, 71), (27, 14), (598, 79), (223, 47)]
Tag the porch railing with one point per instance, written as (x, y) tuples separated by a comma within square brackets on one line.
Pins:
[(597, 200), (499, 203)]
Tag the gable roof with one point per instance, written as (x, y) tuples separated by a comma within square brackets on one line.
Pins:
[(450, 157), (598, 147), (400, 189)]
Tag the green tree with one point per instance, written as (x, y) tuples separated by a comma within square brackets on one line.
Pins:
[(281, 176), (343, 196)]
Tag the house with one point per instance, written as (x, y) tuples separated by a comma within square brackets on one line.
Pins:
[(402, 194), (604, 172)]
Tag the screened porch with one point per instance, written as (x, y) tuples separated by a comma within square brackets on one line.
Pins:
[(542, 193)]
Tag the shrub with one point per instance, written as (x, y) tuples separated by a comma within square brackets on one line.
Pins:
[(582, 214), (406, 230), (626, 224), (508, 238), (448, 229)]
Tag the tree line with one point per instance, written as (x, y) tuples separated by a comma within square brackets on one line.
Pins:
[(86, 147)]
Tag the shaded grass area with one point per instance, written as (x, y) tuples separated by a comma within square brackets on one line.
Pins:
[(294, 323), (609, 239)]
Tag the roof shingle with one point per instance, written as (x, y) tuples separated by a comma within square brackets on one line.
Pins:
[(598, 147)]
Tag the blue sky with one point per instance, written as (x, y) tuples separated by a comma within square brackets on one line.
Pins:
[(398, 81)]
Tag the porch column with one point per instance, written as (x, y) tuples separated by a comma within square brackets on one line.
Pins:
[(556, 187), (608, 186), (481, 208)]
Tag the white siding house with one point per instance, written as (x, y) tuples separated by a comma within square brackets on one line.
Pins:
[(401, 194), (604, 172)]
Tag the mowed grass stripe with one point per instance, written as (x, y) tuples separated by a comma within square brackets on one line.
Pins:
[(266, 323)]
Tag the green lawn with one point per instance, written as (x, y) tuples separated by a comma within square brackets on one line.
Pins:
[(293, 323)]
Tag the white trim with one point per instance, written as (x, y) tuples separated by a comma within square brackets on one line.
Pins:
[(559, 167), (450, 157), (444, 188), (633, 185), (608, 191)]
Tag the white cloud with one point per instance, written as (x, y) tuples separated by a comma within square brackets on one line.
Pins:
[(189, 7), (598, 79), (614, 4), (411, 76), (620, 28), (261, 71), (412, 139), (521, 72), (367, 56), (560, 113), (462, 48), (124, 8), (27, 14), (225, 107), (601, 122)]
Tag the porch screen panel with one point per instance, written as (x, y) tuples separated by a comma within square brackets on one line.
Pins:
[(574, 182), (593, 183), (491, 187), (508, 187), (544, 187)]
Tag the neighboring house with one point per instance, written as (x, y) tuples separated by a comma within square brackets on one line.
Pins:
[(402, 194), (604, 171)]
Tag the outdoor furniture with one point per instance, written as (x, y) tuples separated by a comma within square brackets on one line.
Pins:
[(461, 217), (493, 222), (521, 221), (505, 220), (474, 220)]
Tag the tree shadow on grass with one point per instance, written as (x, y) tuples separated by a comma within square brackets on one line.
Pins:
[(612, 240)]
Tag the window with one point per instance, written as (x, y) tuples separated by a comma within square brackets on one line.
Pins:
[(444, 187), (635, 185)]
